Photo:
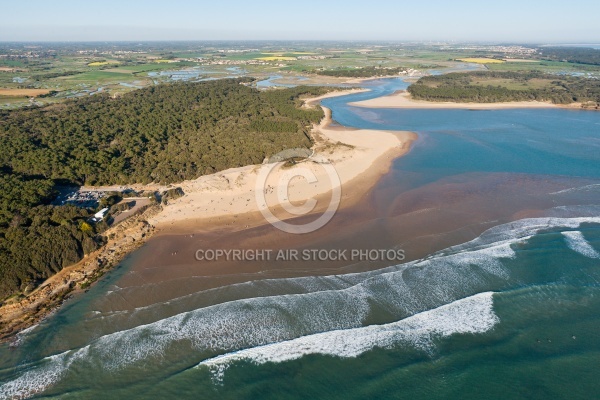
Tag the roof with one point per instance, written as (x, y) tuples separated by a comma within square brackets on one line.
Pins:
[(100, 214)]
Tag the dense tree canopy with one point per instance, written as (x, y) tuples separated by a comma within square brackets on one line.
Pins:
[(365, 72), (580, 55), (491, 87), (166, 133)]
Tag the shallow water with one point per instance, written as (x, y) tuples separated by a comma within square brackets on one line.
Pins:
[(499, 212)]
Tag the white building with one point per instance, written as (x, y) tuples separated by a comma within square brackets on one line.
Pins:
[(99, 216)]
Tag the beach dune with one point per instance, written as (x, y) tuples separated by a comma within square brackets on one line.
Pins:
[(360, 157), (403, 99)]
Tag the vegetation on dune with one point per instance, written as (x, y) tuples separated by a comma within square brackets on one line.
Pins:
[(164, 134), (492, 87), (365, 72), (167, 133)]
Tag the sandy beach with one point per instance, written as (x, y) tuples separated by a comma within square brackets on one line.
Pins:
[(225, 201), (403, 100), (359, 157)]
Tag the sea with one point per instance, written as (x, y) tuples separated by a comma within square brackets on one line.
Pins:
[(499, 297)]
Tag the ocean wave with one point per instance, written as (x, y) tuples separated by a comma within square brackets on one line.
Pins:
[(332, 303), (21, 336), (586, 188), (38, 379), (521, 230), (496, 236), (577, 243), (256, 322), (471, 315)]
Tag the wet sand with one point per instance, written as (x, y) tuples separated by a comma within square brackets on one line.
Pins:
[(226, 201), (390, 209), (419, 220)]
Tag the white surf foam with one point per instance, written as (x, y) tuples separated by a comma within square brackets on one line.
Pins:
[(21, 336), (254, 322), (401, 292), (338, 303), (499, 238), (38, 379), (472, 315), (586, 188), (577, 242)]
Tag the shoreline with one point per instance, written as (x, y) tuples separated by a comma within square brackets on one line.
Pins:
[(224, 200), (24, 312), (403, 100), (214, 199)]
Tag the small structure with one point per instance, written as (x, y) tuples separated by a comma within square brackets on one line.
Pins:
[(99, 216)]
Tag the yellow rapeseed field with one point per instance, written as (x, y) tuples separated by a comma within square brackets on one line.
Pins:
[(277, 58), (481, 60)]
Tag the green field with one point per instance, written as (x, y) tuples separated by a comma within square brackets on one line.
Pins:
[(70, 70)]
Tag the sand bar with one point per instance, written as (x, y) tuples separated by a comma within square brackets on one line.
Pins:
[(222, 200), (403, 100), (359, 156)]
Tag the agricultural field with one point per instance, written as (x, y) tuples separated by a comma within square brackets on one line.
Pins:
[(23, 92), (101, 63), (484, 61), (55, 72), (277, 58)]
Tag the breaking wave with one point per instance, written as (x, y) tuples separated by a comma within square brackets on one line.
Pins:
[(472, 315), (577, 243), (423, 297)]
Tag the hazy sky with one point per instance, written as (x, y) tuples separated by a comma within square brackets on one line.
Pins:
[(572, 21)]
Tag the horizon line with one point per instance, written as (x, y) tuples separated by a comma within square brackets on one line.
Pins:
[(306, 40)]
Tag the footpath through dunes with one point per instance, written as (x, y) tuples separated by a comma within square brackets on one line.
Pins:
[(413, 304)]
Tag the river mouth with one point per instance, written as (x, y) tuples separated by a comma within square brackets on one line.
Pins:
[(496, 214)]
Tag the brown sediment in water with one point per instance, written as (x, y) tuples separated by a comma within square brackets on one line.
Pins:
[(360, 158), (419, 220)]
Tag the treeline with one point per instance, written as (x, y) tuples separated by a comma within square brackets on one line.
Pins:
[(461, 87), (167, 133), (38, 240), (50, 75), (364, 72), (580, 55)]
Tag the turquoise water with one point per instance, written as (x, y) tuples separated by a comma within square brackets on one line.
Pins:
[(514, 313), (543, 141)]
